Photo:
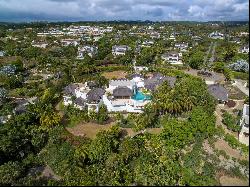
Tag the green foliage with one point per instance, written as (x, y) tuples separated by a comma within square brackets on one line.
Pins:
[(196, 60), (231, 122), (10, 172), (234, 143)]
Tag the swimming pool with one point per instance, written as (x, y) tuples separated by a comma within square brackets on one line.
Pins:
[(141, 96)]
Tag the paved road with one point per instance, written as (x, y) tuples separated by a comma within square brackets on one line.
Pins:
[(240, 84), (211, 60), (208, 52)]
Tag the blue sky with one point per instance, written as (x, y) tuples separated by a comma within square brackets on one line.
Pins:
[(98, 10)]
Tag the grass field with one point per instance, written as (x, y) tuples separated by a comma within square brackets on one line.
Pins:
[(114, 74)]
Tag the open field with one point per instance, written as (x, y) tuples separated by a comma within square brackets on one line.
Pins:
[(91, 129), (232, 181), (114, 74)]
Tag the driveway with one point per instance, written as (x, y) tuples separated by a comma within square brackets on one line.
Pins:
[(240, 84)]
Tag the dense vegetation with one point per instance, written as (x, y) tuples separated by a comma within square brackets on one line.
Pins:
[(39, 137)]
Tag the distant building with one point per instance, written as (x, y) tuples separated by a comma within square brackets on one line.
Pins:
[(147, 43), (216, 35), (119, 50), (181, 46), (172, 57), (89, 50), (67, 42), (244, 49), (39, 44)]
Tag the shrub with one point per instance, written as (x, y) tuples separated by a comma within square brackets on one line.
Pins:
[(231, 122)]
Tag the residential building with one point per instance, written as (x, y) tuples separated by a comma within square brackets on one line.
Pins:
[(89, 50), (244, 49), (218, 92), (67, 42), (172, 57), (39, 44), (216, 35), (181, 46), (156, 80), (119, 50), (147, 43), (94, 99)]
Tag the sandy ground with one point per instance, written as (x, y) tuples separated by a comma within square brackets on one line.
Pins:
[(232, 181), (48, 172), (223, 145), (115, 74)]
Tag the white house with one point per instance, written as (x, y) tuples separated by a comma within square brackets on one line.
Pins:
[(39, 44), (216, 35), (140, 68), (181, 46), (172, 37), (244, 49), (89, 50), (172, 57), (67, 42), (147, 43), (244, 123), (119, 50)]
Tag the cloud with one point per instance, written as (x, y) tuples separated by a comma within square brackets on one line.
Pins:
[(76, 10)]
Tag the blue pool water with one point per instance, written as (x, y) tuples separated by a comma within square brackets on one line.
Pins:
[(140, 96)]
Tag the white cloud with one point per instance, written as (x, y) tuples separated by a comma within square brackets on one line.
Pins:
[(124, 9)]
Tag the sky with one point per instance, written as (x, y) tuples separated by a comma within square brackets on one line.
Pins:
[(104, 10)]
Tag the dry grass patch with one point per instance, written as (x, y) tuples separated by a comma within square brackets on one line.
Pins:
[(233, 181), (223, 145), (114, 74), (88, 130)]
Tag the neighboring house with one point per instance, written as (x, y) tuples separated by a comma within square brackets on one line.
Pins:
[(94, 99), (155, 35), (156, 80), (39, 44), (147, 43), (81, 95), (244, 123), (172, 57), (89, 50), (67, 42), (244, 49), (78, 91), (196, 38), (172, 37), (140, 68), (218, 92), (119, 50), (181, 46), (216, 35)]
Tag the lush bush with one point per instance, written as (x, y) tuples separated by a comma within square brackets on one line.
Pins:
[(231, 122)]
